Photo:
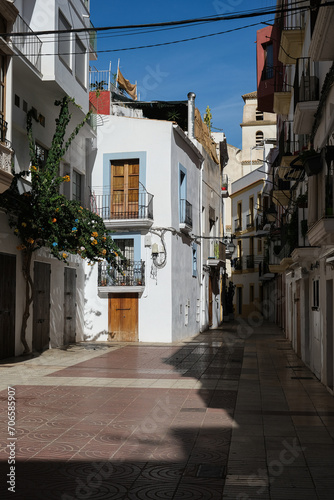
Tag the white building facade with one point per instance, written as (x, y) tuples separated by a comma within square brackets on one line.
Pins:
[(34, 80), (159, 190)]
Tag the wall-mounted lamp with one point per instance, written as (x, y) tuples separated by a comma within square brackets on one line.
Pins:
[(315, 266), (155, 250)]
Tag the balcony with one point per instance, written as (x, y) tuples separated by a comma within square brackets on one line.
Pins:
[(250, 264), (237, 264), (124, 212), (291, 45), (281, 193), (224, 188), (237, 224), (129, 278), (217, 255), (6, 158), (29, 46), (322, 42), (322, 232), (249, 221), (186, 216), (282, 93), (92, 44), (306, 98)]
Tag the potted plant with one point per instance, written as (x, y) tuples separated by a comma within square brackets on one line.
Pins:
[(312, 162), (302, 200)]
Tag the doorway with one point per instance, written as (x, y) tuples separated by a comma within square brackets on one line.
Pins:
[(123, 317), (7, 305), (41, 307), (70, 276)]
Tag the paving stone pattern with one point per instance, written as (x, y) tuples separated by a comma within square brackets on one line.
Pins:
[(216, 417)]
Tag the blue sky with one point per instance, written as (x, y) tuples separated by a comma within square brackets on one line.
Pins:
[(219, 69)]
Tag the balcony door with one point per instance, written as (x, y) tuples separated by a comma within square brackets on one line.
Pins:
[(124, 189)]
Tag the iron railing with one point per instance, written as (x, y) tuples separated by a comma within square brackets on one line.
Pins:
[(125, 273), (3, 129), (250, 261), (237, 264), (92, 38), (249, 220), (186, 213), (123, 206), (29, 46), (306, 85), (237, 224)]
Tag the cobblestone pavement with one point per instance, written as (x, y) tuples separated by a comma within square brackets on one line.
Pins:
[(218, 416)]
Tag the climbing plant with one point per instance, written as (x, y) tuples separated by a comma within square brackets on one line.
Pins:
[(42, 217)]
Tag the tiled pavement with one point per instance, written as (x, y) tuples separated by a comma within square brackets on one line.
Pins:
[(219, 416)]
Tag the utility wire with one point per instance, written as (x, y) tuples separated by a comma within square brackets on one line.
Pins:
[(246, 15)]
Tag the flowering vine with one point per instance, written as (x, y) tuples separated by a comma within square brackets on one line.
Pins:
[(42, 217)]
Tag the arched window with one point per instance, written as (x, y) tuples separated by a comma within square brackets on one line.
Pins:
[(258, 137)]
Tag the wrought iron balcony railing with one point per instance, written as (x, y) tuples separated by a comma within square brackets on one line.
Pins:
[(186, 213), (123, 206), (238, 264), (29, 46), (249, 220), (250, 261), (237, 224), (3, 129), (130, 273)]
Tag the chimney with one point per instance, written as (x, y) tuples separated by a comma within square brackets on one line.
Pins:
[(191, 115)]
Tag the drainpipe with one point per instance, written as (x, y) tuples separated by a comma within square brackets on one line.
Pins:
[(191, 115)]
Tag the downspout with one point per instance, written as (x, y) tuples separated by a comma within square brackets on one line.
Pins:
[(191, 135)]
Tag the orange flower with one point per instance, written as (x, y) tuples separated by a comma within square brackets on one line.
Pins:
[(33, 168), (95, 234), (54, 220), (104, 251), (64, 255), (66, 178), (30, 240), (94, 242)]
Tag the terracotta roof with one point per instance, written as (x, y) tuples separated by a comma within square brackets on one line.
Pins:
[(251, 95)]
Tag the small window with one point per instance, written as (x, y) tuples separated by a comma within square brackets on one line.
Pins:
[(194, 257), (259, 245), (25, 106), (316, 301), (17, 100), (41, 120), (80, 61), (41, 155), (259, 115), (76, 186), (268, 70), (251, 294), (64, 40), (258, 137)]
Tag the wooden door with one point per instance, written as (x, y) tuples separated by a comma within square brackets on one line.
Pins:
[(41, 307), (123, 317), (210, 301), (69, 305), (124, 189), (7, 305)]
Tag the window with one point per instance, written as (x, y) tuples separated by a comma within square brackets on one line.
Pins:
[(80, 61), (124, 189), (2, 85), (316, 301), (76, 186), (268, 70), (251, 294), (259, 116), (259, 245), (258, 137), (126, 246), (194, 257), (41, 155), (64, 40), (17, 100)]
